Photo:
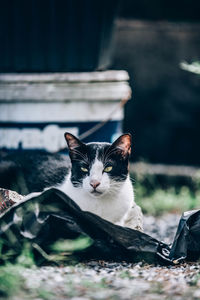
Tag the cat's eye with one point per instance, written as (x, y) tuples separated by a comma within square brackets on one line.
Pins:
[(108, 169), (84, 169)]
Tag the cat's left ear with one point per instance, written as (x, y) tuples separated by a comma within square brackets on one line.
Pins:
[(72, 141), (123, 144)]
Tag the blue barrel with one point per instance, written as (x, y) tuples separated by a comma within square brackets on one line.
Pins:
[(36, 109)]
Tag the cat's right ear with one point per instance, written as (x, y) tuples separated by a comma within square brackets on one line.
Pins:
[(72, 141)]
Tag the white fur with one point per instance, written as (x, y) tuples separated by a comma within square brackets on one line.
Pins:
[(114, 200)]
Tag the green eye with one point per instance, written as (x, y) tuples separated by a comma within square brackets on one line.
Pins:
[(108, 169), (84, 169)]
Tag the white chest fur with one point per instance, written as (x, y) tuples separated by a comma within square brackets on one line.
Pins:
[(113, 207)]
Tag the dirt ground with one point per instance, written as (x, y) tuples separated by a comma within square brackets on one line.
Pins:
[(110, 280)]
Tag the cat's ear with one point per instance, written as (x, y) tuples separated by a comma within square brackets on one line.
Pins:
[(123, 145), (72, 141)]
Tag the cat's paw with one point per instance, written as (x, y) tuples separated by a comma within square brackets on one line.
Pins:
[(134, 218)]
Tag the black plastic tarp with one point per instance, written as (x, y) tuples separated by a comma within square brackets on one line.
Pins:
[(47, 217)]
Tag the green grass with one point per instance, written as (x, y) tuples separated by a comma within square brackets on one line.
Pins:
[(10, 281), (195, 281), (78, 244), (157, 199), (12, 285), (162, 201), (44, 294)]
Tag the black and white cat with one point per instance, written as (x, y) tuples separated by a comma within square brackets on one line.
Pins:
[(99, 180)]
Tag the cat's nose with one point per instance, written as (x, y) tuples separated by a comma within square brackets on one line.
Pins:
[(94, 183)]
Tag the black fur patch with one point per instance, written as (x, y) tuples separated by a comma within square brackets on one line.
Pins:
[(32, 171)]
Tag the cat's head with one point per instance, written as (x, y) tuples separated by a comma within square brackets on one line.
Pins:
[(99, 168)]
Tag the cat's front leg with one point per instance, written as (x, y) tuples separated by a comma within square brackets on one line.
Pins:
[(134, 218)]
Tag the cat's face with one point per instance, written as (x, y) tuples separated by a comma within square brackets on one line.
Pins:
[(99, 168)]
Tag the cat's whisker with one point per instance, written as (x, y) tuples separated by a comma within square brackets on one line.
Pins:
[(118, 181), (117, 188), (132, 179), (80, 160), (108, 154), (84, 157), (116, 184)]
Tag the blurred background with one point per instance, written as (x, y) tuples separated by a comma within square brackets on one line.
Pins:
[(147, 39), (152, 38), (71, 66)]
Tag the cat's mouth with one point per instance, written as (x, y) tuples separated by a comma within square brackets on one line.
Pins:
[(96, 193)]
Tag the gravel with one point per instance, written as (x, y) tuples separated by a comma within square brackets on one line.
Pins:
[(162, 228), (110, 280)]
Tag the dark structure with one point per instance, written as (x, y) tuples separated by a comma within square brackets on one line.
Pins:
[(56, 36), (178, 10), (164, 117), (76, 35)]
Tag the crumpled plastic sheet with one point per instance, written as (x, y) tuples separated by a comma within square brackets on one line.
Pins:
[(44, 218)]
